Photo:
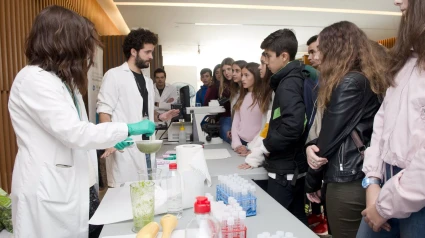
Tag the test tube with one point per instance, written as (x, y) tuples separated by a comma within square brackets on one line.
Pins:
[(242, 217), (224, 227), (246, 201), (230, 224), (235, 214)]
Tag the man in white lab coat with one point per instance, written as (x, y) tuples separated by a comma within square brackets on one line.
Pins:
[(126, 95), (165, 94)]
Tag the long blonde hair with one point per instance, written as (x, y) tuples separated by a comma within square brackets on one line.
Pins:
[(344, 48)]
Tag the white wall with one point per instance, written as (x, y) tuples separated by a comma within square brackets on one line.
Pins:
[(184, 62), (186, 74)]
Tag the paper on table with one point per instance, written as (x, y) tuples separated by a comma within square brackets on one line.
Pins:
[(216, 153), (116, 205), (175, 234)]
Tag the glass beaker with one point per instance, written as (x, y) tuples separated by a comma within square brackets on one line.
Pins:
[(150, 174), (143, 203)]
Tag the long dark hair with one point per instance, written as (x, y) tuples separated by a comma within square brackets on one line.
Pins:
[(258, 96), (268, 73), (214, 81), (411, 34), (236, 87), (266, 90), (224, 84), (63, 42), (344, 47)]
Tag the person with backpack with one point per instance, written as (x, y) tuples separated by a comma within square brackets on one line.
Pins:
[(352, 81), (283, 146)]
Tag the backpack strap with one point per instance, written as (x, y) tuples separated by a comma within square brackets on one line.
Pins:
[(358, 142)]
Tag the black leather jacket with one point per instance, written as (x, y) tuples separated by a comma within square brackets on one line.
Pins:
[(284, 139), (352, 106)]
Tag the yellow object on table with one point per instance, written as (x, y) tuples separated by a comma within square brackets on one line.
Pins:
[(168, 223), (149, 231)]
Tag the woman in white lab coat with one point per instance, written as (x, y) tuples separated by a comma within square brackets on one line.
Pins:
[(50, 187)]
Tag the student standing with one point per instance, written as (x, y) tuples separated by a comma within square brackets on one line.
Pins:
[(206, 78), (352, 80), (249, 109), (283, 146), (395, 158), (236, 87), (225, 93), (212, 91), (254, 156)]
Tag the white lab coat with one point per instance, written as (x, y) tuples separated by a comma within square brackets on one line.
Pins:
[(169, 92), (119, 97), (50, 187)]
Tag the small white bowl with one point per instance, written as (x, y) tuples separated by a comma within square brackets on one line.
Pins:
[(148, 146)]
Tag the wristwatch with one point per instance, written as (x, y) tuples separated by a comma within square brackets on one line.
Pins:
[(157, 117), (368, 181)]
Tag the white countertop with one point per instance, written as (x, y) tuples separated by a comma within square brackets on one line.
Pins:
[(271, 216)]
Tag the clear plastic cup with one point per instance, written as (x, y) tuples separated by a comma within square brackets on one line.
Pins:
[(143, 203)]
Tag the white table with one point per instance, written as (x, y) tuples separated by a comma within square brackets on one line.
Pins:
[(271, 216), (226, 166)]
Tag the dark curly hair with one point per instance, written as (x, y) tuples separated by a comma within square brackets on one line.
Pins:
[(137, 39), (283, 40)]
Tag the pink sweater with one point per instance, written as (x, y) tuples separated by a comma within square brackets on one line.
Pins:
[(247, 122), (399, 139)]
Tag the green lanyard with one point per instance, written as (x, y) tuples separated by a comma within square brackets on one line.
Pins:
[(74, 98)]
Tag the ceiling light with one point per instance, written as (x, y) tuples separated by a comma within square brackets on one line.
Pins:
[(216, 24), (258, 7)]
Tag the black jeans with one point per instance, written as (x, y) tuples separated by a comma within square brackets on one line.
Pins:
[(94, 230), (290, 197), (346, 201)]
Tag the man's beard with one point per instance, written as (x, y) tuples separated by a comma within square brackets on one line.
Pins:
[(141, 64)]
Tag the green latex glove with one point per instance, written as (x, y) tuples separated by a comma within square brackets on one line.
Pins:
[(145, 127), (123, 144)]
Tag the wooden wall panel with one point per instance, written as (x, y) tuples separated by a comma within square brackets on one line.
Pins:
[(16, 18), (112, 51), (389, 43)]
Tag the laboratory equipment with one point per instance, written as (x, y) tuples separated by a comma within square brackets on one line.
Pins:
[(234, 189), (174, 191), (203, 225), (143, 203), (149, 147)]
